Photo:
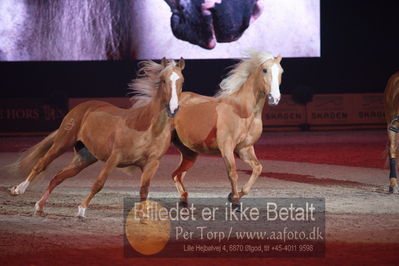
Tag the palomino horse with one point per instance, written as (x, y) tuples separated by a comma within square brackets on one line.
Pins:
[(229, 123), (128, 138), (392, 117)]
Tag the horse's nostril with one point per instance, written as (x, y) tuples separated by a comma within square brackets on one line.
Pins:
[(273, 101), (258, 9), (171, 113), (212, 44)]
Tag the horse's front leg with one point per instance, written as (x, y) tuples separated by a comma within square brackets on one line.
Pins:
[(393, 186), (148, 172), (227, 150), (110, 164), (247, 154)]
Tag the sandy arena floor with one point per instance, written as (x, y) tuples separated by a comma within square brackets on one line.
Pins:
[(361, 217)]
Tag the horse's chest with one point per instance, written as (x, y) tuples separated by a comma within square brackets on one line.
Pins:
[(147, 145), (252, 133)]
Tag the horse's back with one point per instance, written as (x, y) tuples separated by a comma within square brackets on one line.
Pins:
[(391, 97), (196, 121), (74, 118), (78, 113), (190, 98), (93, 104)]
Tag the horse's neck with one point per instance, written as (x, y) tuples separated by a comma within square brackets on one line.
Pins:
[(153, 114), (161, 119), (250, 97)]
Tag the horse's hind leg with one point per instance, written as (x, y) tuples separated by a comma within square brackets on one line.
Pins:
[(110, 164), (187, 160), (82, 159), (247, 154), (393, 187), (55, 151)]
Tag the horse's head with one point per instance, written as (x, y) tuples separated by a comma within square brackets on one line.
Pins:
[(171, 81), (270, 77)]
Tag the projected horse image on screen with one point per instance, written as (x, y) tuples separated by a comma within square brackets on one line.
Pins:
[(205, 22), (37, 30)]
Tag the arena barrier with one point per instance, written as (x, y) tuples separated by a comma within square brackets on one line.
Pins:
[(36, 116), (327, 112), (324, 112)]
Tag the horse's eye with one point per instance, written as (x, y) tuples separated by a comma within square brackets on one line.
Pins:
[(265, 70)]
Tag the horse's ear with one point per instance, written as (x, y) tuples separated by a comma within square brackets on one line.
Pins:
[(182, 63), (164, 63), (279, 58)]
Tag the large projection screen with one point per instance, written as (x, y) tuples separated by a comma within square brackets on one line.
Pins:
[(59, 30)]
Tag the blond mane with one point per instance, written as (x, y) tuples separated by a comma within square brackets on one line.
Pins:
[(144, 88), (241, 71)]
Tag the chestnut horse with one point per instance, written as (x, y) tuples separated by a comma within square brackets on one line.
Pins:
[(229, 123), (125, 138), (391, 98)]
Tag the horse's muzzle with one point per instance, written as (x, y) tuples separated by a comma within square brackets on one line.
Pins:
[(170, 114), (205, 22), (273, 100)]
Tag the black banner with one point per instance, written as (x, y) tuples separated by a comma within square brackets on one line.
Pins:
[(32, 115)]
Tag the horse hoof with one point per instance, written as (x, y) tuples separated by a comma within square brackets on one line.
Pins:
[(394, 190), (13, 191), (230, 197), (81, 213), (183, 203), (38, 210), (236, 207), (39, 213)]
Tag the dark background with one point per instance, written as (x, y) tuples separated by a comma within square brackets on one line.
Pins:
[(360, 41)]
